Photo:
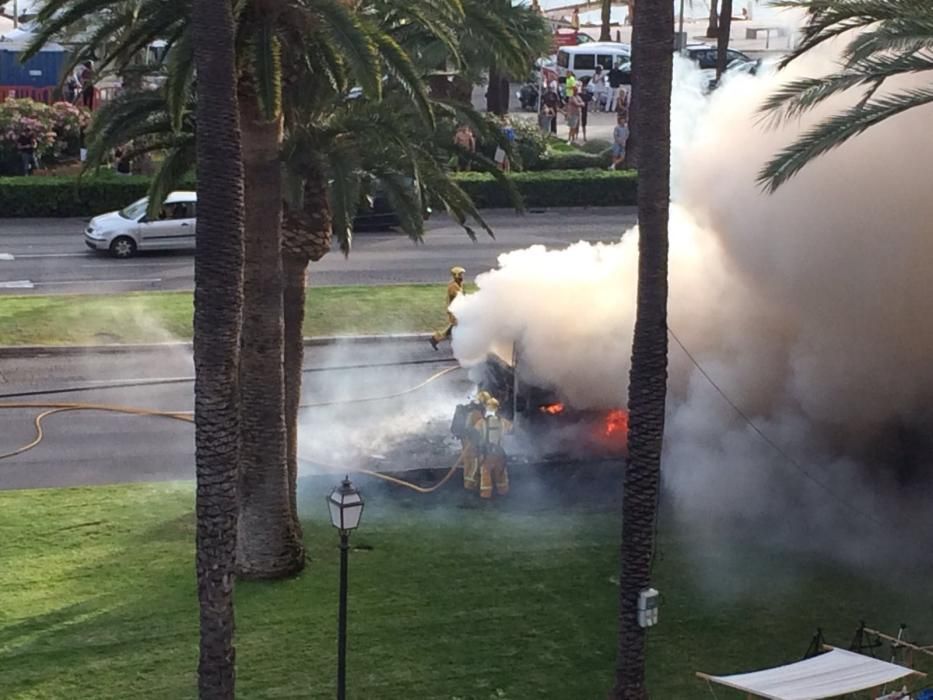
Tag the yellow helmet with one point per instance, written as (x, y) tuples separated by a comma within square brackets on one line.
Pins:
[(483, 397), (492, 404), (457, 271)]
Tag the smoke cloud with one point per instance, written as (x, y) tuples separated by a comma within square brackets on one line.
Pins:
[(807, 308)]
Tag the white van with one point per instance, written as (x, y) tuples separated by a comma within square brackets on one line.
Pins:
[(583, 58)]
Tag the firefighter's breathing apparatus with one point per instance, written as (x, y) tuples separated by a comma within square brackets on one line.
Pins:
[(188, 417)]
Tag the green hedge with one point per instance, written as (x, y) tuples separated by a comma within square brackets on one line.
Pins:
[(555, 188), (55, 197), (40, 196)]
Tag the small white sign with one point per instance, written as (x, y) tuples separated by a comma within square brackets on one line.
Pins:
[(35, 73), (6, 256), (17, 284)]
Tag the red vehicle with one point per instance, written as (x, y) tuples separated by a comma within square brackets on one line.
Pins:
[(570, 37)]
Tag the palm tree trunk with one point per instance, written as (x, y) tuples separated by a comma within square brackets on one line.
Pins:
[(605, 29), (295, 274), (712, 29), (725, 28), (306, 236), (654, 22), (218, 299), (269, 542)]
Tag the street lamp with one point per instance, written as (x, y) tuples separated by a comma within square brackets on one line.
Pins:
[(346, 508)]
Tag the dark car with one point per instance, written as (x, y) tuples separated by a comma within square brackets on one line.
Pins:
[(706, 56), (376, 213)]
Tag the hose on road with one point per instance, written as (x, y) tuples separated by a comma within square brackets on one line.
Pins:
[(50, 409)]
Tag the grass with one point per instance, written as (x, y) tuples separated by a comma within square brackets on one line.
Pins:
[(98, 602), (160, 316)]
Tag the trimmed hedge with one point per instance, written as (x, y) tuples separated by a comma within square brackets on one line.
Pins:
[(555, 188), (55, 197)]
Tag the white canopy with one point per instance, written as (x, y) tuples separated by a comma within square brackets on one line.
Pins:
[(837, 672)]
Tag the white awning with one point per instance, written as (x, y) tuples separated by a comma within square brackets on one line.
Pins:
[(837, 672)]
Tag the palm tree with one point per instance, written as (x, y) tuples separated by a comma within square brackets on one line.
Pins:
[(712, 29), (888, 38), (722, 45), (218, 300), (605, 27), (652, 74)]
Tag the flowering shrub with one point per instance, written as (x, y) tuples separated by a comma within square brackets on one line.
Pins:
[(57, 129)]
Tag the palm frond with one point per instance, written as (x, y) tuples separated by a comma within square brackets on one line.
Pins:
[(835, 131), (798, 96), (178, 92), (178, 162)]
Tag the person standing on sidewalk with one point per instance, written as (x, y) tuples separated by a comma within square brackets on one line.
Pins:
[(616, 78)]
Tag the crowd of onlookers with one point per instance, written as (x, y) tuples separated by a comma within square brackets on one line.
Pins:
[(574, 99)]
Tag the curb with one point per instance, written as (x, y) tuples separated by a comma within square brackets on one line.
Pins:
[(20, 351)]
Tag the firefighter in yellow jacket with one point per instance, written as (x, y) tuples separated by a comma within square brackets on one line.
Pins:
[(470, 441), (454, 289), (493, 472)]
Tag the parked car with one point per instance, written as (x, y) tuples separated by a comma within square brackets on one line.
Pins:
[(706, 57)]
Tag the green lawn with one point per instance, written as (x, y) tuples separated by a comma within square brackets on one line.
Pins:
[(97, 601), (161, 316)]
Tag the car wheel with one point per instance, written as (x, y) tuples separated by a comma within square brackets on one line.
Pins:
[(123, 247)]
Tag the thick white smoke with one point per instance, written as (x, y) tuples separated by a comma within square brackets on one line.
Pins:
[(808, 307)]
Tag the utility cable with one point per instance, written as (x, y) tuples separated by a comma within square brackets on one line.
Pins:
[(777, 448)]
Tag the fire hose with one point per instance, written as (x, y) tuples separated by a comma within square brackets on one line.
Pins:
[(188, 417)]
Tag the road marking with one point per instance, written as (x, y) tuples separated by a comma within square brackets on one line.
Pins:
[(60, 283), (52, 255), (6, 256), (17, 284)]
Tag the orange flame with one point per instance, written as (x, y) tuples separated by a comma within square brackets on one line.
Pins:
[(617, 423), (553, 409)]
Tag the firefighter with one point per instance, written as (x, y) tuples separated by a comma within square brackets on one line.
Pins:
[(470, 440), (494, 474), (454, 289)]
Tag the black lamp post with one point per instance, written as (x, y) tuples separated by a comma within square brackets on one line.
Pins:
[(346, 508)]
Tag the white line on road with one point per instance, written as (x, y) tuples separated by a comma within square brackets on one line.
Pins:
[(59, 283), (6, 256), (51, 255), (17, 284)]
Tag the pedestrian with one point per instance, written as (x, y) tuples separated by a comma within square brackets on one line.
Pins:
[(454, 289), (570, 84), (545, 119), (465, 141), (619, 140), (551, 102), (86, 78), (573, 110), (588, 95), (121, 162), (502, 156), (616, 78), (599, 90), (27, 144)]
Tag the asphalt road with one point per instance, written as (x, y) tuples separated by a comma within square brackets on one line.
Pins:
[(92, 447), (47, 256)]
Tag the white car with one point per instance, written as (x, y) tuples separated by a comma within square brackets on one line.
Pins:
[(123, 233)]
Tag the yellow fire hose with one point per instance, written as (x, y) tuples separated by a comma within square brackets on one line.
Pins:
[(187, 416)]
